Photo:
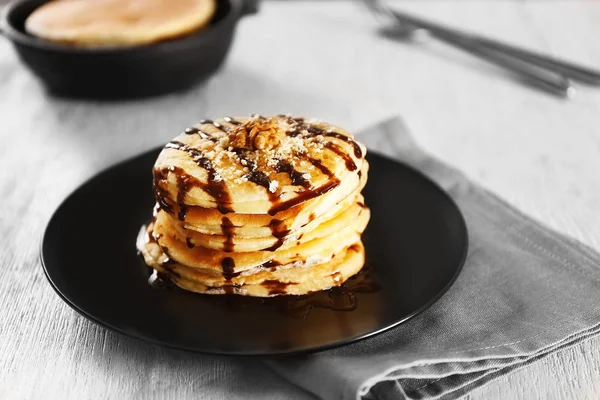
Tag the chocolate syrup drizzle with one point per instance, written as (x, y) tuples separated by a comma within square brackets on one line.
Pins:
[(227, 228), (350, 164), (260, 178), (182, 189), (215, 124), (280, 231), (270, 265), (228, 266), (295, 176), (161, 195), (340, 298), (165, 279), (203, 135), (228, 273), (304, 196), (276, 287), (319, 164), (256, 176), (313, 131), (215, 186), (232, 121)]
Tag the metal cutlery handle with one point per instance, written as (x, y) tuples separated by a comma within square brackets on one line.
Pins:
[(587, 75), (579, 73), (551, 82)]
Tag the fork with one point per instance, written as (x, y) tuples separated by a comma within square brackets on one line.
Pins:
[(546, 72)]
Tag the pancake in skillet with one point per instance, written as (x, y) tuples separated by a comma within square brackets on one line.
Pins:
[(118, 23)]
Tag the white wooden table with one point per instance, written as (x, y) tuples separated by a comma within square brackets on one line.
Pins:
[(318, 59)]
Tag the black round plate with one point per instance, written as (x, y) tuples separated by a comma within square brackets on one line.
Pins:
[(416, 243)]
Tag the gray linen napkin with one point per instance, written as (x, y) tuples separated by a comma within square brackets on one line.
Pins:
[(525, 292)]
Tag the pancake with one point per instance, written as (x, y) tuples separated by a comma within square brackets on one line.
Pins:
[(319, 248), (257, 165), (258, 206), (312, 280), (210, 221), (278, 236), (267, 282), (115, 23)]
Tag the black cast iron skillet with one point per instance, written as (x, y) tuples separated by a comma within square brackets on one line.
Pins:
[(128, 72)]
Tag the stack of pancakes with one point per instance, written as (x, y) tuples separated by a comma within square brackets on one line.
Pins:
[(258, 206)]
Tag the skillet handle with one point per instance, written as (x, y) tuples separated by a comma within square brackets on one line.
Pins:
[(249, 7)]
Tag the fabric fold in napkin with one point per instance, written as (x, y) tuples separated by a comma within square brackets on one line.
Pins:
[(525, 291)]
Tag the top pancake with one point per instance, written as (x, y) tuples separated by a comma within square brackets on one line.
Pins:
[(256, 165), (113, 23)]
